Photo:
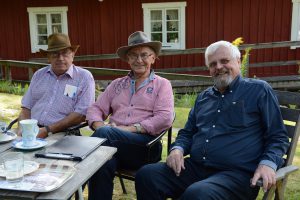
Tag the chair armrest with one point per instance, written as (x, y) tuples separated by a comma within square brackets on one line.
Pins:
[(78, 126), (280, 174), (156, 139), (11, 124), (284, 171)]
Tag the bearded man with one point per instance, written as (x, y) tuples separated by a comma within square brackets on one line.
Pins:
[(234, 133)]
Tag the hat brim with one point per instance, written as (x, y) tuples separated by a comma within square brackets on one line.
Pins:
[(122, 51), (45, 52)]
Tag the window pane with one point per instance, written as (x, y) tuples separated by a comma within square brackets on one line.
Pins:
[(55, 18), (42, 40), (172, 14), (156, 37), (156, 15), (156, 26), (172, 37), (172, 26), (41, 19), (42, 29), (56, 28)]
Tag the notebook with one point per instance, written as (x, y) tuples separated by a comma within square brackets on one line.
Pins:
[(71, 148)]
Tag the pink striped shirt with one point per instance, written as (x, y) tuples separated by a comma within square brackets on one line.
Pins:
[(51, 98), (152, 105)]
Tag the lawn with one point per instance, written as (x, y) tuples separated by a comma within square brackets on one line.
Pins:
[(10, 107)]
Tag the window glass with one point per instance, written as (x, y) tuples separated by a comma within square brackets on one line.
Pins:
[(156, 15), (42, 40), (41, 18), (55, 18)]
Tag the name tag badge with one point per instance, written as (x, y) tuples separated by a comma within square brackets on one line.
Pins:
[(149, 90), (70, 91)]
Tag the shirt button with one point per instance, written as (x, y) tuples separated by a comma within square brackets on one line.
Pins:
[(206, 140), (131, 104), (204, 158), (213, 126), (222, 95), (219, 111), (230, 91)]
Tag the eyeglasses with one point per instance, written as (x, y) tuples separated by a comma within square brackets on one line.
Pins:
[(144, 56), (57, 54)]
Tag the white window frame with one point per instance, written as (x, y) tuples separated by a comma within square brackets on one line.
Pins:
[(33, 11), (147, 7), (295, 29)]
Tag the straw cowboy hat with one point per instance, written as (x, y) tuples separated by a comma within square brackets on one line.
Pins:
[(136, 39), (57, 42)]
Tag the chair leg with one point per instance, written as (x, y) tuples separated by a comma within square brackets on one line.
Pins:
[(79, 194), (122, 184)]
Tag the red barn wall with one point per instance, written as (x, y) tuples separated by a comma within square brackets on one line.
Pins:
[(102, 27)]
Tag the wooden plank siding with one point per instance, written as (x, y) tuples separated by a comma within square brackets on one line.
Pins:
[(102, 27)]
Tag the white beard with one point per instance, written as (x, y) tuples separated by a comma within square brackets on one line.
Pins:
[(222, 81)]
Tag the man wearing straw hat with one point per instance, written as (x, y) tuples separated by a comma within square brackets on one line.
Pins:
[(60, 93), (139, 105)]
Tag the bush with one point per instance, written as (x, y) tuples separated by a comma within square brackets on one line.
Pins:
[(185, 101), (13, 88)]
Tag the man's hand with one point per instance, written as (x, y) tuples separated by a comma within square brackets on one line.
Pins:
[(175, 161), (267, 174), (42, 133)]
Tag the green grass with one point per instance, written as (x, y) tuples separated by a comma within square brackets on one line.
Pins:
[(10, 105)]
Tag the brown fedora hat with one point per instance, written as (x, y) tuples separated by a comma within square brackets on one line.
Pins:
[(136, 39), (58, 41)]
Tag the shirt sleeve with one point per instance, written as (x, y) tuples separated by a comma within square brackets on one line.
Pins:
[(100, 110), (275, 135), (163, 110), (26, 101), (185, 136), (87, 95)]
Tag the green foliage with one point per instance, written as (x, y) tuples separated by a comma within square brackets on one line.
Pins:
[(186, 100), (181, 116), (13, 88), (245, 62)]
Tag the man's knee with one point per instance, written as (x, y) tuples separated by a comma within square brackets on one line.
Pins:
[(198, 191), (144, 174), (102, 132)]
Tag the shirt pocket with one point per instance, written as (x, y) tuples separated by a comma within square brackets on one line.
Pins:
[(235, 114), (67, 105)]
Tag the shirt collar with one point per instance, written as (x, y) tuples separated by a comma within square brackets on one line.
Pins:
[(151, 76), (69, 72)]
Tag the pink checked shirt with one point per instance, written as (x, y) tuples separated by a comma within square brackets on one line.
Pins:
[(51, 98), (152, 105)]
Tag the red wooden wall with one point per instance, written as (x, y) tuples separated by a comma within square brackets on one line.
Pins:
[(102, 27)]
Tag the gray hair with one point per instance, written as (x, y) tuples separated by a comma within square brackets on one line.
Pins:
[(235, 52)]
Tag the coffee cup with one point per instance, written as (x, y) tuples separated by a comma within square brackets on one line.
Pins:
[(13, 166), (30, 130)]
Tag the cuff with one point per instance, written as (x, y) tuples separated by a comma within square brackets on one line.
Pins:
[(269, 164), (177, 147)]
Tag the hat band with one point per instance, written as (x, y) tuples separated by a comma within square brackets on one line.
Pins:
[(138, 42)]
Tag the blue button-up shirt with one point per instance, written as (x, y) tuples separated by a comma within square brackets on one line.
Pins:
[(237, 129)]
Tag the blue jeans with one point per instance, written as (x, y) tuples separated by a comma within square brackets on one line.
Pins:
[(158, 181), (131, 154)]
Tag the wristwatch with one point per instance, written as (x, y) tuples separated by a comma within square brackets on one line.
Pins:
[(48, 131), (138, 127)]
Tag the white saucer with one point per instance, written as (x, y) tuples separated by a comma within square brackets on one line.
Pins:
[(7, 137), (18, 144), (29, 167)]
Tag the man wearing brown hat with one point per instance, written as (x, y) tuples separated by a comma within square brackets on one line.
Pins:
[(60, 93), (139, 105)]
